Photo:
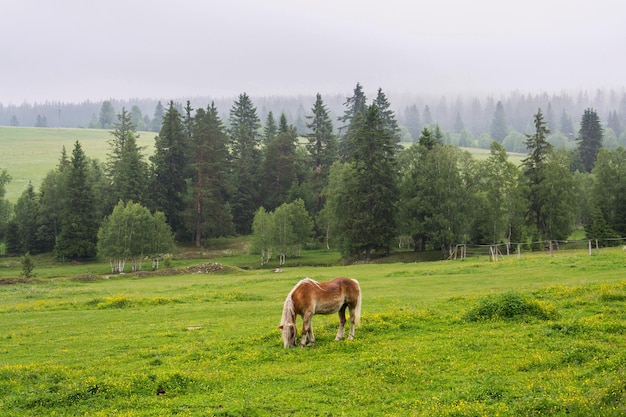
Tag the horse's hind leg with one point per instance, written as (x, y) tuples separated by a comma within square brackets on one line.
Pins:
[(352, 323), (342, 322)]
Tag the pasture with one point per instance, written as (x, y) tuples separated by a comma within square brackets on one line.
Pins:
[(29, 153), (74, 342)]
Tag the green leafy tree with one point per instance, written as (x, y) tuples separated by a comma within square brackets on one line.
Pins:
[(107, 115), (209, 215), (262, 233), (435, 194), (170, 169), (499, 127), (292, 228), (78, 224), (609, 191), (246, 159), (589, 140), (499, 213), (132, 232)]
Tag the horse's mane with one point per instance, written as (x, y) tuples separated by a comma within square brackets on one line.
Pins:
[(288, 308)]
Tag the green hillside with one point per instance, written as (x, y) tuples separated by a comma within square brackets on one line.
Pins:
[(28, 154)]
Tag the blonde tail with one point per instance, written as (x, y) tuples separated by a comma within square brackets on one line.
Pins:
[(357, 309)]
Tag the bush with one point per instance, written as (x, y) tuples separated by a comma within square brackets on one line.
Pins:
[(27, 265), (510, 305)]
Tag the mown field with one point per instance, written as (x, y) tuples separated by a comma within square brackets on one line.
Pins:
[(28, 153), (443, 338)]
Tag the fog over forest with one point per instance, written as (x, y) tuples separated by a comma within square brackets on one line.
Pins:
[(453, 113)]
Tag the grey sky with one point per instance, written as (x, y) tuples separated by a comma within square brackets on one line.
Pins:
[(75, 50)]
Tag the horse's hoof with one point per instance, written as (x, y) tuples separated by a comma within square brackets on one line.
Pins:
[(337, 339)]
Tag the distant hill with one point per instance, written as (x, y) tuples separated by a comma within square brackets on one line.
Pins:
[(29, 153)]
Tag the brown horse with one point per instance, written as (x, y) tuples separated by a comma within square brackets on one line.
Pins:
[(310, 297)]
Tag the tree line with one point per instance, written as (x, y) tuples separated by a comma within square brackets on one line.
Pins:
[(358, 188)]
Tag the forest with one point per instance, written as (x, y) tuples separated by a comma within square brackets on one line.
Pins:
[(360, 177)]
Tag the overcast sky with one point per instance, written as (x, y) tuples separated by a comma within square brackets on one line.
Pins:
[(76, 50)]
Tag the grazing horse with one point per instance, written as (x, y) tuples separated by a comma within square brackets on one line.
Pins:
[(310, 297)]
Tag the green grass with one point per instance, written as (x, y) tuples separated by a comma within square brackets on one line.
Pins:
[(207, 344), (28, 154)]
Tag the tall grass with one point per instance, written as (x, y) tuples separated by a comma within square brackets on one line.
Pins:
[(207, 344)]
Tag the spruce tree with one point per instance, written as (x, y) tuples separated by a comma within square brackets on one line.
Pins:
[(78, 222), (270, 130), (367, 219), (413, 121), (589, 139), (534, 166), (209, 216), (280, 167), (322, 150), (354, 105), (125, 168), (246, 158), (170, 169), (157, 119), (499, 128)]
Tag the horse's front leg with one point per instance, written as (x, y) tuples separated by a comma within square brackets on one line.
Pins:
[(342, 322), (307, 330)]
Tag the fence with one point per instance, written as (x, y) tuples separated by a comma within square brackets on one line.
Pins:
[(494, 252)]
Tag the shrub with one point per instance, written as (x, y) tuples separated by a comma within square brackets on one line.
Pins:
[(510, 305), (27, 265)]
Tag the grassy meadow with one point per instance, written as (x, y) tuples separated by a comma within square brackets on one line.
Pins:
[(28, 153), (442, 338)]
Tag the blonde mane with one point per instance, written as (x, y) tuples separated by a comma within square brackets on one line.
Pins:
[(288, 308)]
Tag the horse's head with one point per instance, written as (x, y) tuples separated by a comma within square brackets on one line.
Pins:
[(289, 334)]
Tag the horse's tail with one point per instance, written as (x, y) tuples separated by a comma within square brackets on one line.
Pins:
[(357, 309)]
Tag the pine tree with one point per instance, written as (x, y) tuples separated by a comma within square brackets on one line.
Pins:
[(25, 219), (589, 139), (126, 169), (370, 193), (157, 119), (209, 216), (246, 158), (322, 149), (534, 171), (412, 121), (354, 105), (270, 130), (280, 166), (78, 224), (170, 169), (499, 128), (388, 117)]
